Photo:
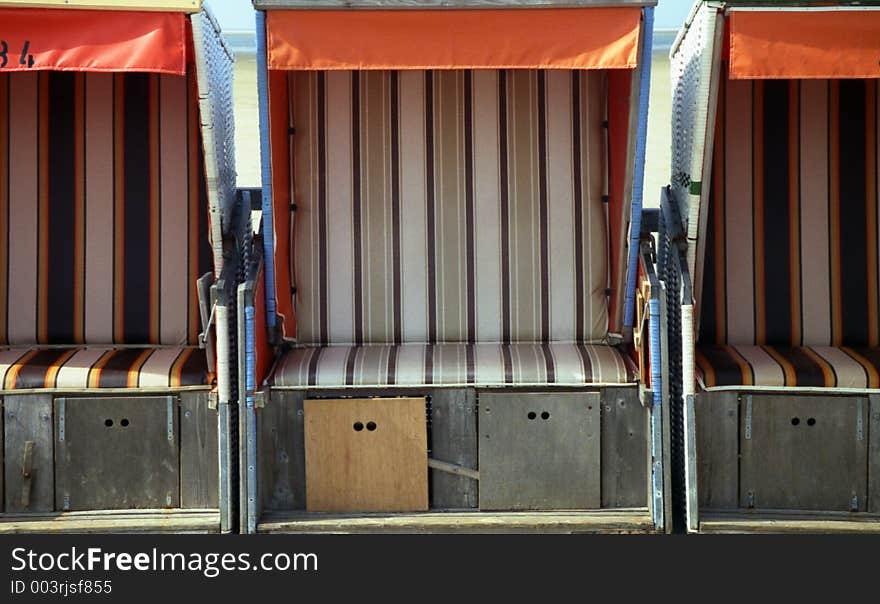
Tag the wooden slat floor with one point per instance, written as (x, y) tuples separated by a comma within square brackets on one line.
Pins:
[(114, 521), (788, 522), (597, 521)]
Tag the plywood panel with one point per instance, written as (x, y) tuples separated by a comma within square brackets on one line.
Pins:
[(454, 440), (625, 458), (199, 454), (804, 452), (117, 453), (874, 456), (539, 451), (717, 436), (28, 419), (366, 455)]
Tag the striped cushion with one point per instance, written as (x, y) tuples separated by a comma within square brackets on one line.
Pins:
[(449, 206), (78, 368), (103, 209), (454, 365), (792, 237), (801, 366)]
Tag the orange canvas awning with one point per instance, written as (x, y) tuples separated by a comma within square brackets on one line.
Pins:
[(588, 38), (86, 40), (809, 44)]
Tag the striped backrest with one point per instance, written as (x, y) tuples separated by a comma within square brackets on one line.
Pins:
[(103, 211), (792, 235), (449, 206)]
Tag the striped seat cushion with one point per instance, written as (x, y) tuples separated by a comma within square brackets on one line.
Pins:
[(101, 367), (420, 365), (103, 209), (449, 206), (792, 232), (788, 366)]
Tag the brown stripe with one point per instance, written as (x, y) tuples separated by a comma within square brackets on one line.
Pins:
[(195, 231), (580, 294), (787, 368), (544, 210), (115, 370), (871, 208), (33, 372), (720, 178), (323, 275), (54, 368), (706, 368), (867, 365), (470, 241), (175, 372), (429, 364), (135, 369), (794, 205), (391, 374), (828, 372), (350, 359), (79, 227), (43, 210), (96, 369), (585, 360), (507, 361), (11, 379), (313, 365), (834, 211), (397, 298), (505, 218), (549, 364), (4, 205), (194, 370), (155, 212), (758, 208), (748, 373), (356, 207), (118, 207)]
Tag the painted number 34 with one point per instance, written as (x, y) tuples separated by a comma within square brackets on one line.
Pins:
[(24, 57)]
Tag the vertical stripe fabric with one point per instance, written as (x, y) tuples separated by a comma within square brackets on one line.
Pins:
[(448, 206), (792, 238), (103, 209)]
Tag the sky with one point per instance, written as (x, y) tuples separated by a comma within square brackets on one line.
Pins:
[(237, 15)]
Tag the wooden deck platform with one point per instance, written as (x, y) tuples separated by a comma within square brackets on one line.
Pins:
[(114, 521), (598, 521), (740, 521)]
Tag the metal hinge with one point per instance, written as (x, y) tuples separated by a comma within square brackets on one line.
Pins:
[(750, 499), (213, 398), (170, 411), (61, 420), (260, 399), (860, 431), (854, 504), (748, 428)]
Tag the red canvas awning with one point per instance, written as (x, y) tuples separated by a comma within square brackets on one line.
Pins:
[(808, 44), (88, 40), (578, 38)]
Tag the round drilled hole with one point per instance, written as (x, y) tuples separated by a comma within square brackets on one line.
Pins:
[(358, 426), (124, 422), (108, 422), (795, 421), (811, 421), (532, 415), (545, 415), (371, 426)]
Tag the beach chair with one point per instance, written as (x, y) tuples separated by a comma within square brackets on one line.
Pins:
[(116, 186), (769, 253), (437, 328)]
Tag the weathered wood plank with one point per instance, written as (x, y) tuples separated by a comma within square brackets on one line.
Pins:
[(28, 418), (804, 452), (625, 451), (366, 454), (199, 461), (281, 451), (597, 521), (713, 522), (874, 455), (717, 427), (111, 521), (117, 453), (540, 451), (454, 440)]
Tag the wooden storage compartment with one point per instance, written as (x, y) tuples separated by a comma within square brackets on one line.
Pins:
[(366, 455), (540, 451), (117, 453), (804, 452)]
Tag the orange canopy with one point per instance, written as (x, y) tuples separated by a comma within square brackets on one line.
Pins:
[(589, 38), (807, 44), (86, 40)]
